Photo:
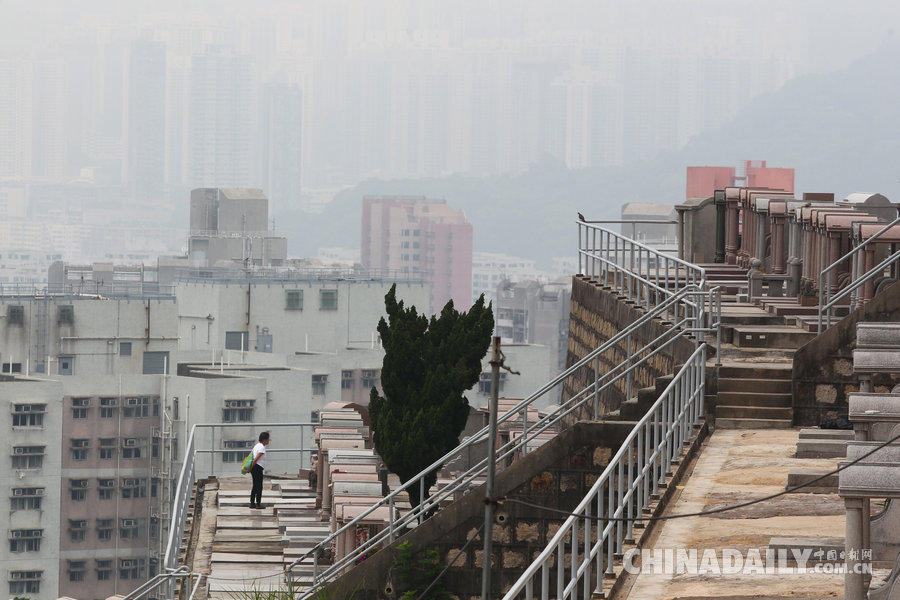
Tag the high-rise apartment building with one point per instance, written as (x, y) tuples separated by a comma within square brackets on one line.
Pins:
[(280, 110), (146, 122), (32, 119), (420, 237), (222, 120)]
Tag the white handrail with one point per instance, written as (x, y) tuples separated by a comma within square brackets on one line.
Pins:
[(625, 488)]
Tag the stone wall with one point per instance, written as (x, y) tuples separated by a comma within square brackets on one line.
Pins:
[(558, 474), (823, 369), (597, 315)]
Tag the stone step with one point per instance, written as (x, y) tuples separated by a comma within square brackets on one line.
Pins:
[(770, 336), (753, 412), (819, 448), (796, 477), (810, 433), (818, 548), (732, 423), (754, 399), (755, 371), (766, 386)]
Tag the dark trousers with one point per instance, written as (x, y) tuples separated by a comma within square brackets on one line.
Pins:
[(256, 491)]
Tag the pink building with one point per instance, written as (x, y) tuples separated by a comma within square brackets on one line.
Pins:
[(703, 181), (423, 238)]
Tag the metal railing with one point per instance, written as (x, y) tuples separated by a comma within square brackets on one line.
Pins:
[(689, 307), (163, 584), (638, 272), (617, 500), (827, 302), (87, 289), (185, 485)]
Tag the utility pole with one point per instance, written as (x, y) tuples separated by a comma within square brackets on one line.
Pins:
[(489, 501)]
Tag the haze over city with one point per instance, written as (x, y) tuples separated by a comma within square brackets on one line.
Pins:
[(110, 112)]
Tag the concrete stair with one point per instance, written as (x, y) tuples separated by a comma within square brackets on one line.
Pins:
[(754, 396)]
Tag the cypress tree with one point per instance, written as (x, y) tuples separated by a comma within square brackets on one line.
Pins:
[(428, 365)]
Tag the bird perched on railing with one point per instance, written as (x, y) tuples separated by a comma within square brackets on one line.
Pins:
[(581, 217)]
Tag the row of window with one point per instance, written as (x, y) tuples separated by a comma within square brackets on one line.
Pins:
[(130, 488), (108, 448), (137, 407), (129, 529), (368, 379), (328, 299), (129, 568)]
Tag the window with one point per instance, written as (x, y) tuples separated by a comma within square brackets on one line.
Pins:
[(328, 299), (25, 540), (368, 378), (104, 569), (80, 449), (133, 448), (156, 363), (237, 340), (65, 364), (26, 498), (154, 447), (293, 299), (77, 529), (106, 489), (28, 415), (319, 383), (346, 380), (25, 582), (28, 457), (107, 448), (15, 314), (80, 407), (78, 489), (8, 367), (131, 568), (484, 384), (129, 529), (154, 528), (238, 411), (65, 315), (134, 488), (76, 570), (240, 449), (124, 348), (108, 408), (138, 408), (104, 529)]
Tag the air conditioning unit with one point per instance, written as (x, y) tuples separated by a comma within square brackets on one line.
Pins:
[(19, 450), (15, 534), (128, 523), (128, 562), (17, 491), (130, 442), (79, 483), (39, 492)]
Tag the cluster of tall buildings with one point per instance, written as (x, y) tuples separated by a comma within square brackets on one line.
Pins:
[(336, 92)]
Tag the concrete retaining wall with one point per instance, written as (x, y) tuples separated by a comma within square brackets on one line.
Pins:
[(823, 369)]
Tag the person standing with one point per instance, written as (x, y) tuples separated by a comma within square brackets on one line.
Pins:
[(257, 467)]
